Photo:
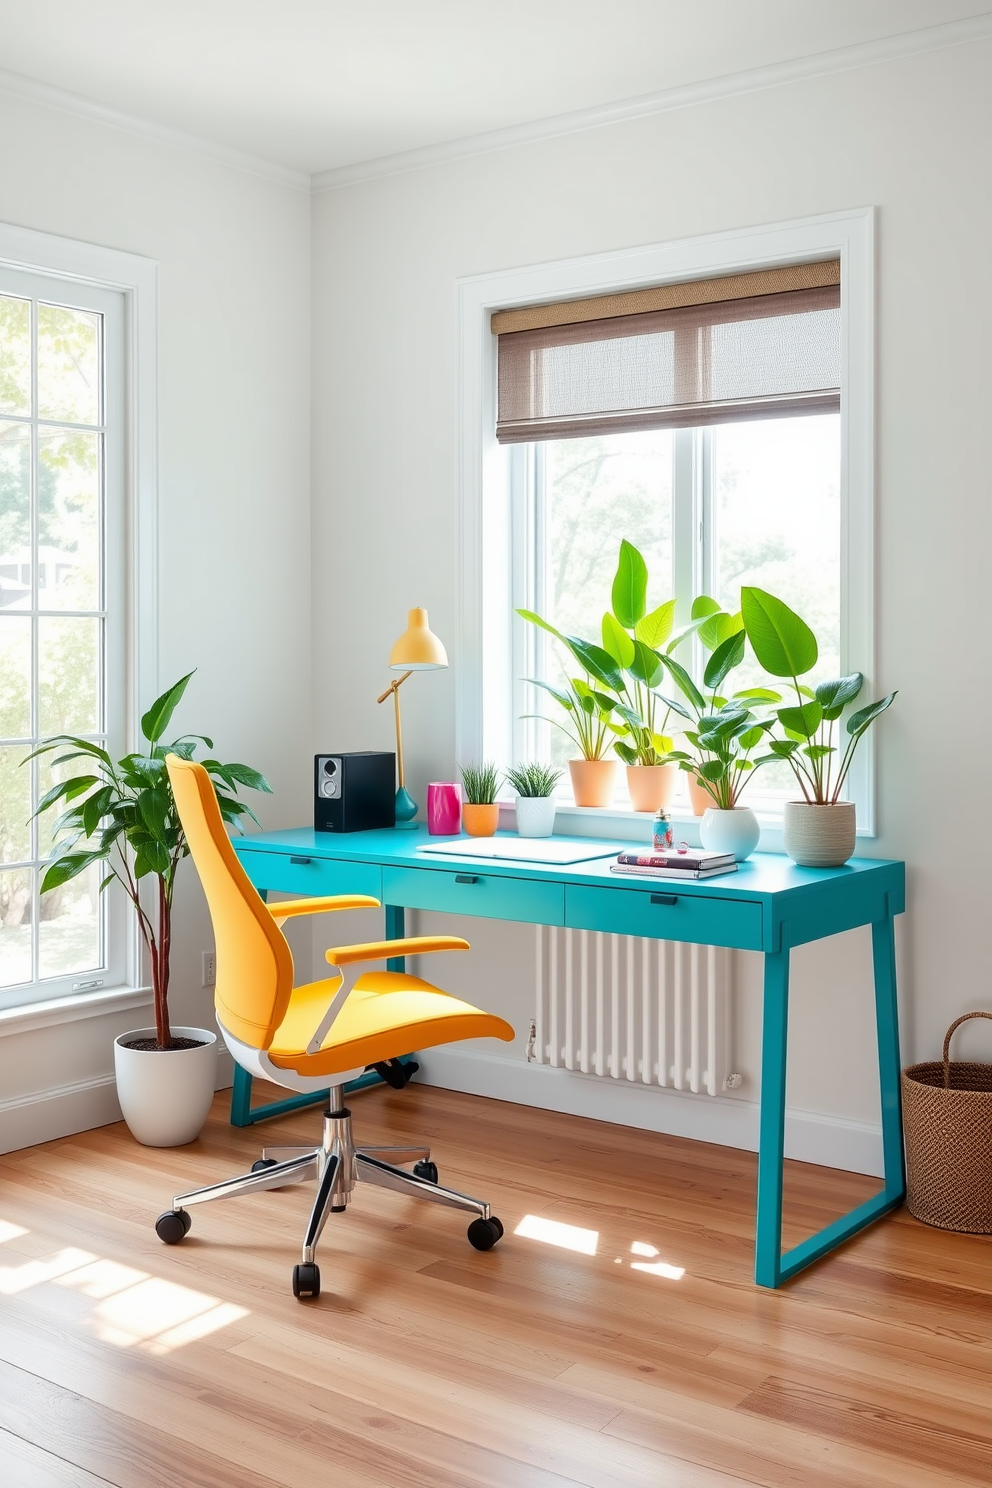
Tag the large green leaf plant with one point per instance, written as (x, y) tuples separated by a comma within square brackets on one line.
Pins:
[(786, 647), (122, 814), (725, 731)]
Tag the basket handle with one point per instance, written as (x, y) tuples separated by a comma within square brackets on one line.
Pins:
[(947, 1043)]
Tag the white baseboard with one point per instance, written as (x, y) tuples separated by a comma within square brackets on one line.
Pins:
[(831, 1141), (45, 1115)]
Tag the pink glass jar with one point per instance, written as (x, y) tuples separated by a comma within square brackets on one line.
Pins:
[(444, 809)]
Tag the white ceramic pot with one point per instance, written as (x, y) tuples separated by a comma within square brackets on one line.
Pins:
[(735, 831), (165, 1094), (535, 816), (819, 836)]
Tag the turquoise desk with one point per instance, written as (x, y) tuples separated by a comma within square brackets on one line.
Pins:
[(770, 905)]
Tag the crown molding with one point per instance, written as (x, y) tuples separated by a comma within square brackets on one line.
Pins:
[(710, 90), (30, 90)]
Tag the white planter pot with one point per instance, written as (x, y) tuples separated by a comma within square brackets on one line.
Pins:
[(819, 836), (535, 816), (735, 831), (165, 1094)]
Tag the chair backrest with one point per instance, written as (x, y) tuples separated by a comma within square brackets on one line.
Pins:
[(254, 962)]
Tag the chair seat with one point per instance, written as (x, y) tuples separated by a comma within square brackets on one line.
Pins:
[(387, 1014)]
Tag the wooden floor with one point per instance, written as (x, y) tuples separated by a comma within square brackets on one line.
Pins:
[(651, 1363)]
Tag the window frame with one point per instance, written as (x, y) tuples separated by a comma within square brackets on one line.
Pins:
[(69, 265), (485, 634)]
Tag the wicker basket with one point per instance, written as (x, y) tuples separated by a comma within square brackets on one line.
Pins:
[(947, 1110)]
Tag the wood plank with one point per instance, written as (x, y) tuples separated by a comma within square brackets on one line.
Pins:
[(425, 1364)]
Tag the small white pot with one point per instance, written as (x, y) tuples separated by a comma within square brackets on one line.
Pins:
[(819, 836), (535, 816), (735, 831), (165, 1094)]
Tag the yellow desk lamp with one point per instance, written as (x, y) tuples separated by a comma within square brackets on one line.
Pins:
[(417, 650)]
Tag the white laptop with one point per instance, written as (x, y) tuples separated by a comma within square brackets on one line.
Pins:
[(521, 849)]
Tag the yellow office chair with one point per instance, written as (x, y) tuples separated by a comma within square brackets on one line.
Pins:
[(322, 1034)]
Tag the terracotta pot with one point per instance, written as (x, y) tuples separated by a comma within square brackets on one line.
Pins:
[(701, 800), (594, 782), (480, 821), (651, 786), (735, 831), (819, 836)]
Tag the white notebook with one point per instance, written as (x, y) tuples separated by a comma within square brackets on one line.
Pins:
[(522, 849)]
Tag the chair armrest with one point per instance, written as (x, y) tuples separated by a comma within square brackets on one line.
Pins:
[(291, 908), (378, 950)]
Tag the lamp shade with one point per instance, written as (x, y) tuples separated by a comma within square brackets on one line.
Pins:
[(418, 648)]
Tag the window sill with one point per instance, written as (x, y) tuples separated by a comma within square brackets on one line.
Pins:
[(33, 1015), (617, 821)]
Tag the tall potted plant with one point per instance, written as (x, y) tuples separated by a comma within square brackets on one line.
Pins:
[(725, 732), (588, 721), (123, 815), (820, 829)]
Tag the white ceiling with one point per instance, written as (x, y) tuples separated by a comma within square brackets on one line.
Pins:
[(319, 84)]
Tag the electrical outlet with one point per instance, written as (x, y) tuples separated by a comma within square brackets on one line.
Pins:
[(209, 968)]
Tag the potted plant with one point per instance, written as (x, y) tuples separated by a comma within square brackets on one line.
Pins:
[(632, 636), (480, 813), (589, 724), (124, 816), (820, 829), (725, 732), (534, 785)]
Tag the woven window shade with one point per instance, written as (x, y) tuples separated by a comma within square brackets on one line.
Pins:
[(760, 345)]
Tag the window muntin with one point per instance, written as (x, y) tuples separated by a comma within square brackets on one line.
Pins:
[(61, 609)]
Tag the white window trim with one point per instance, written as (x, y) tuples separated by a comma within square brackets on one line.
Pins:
[(484, 539), (136, 278)]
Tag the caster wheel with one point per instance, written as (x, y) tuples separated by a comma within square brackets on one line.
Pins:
[(306, 1281), (425, 1169), (262, 1164), (173, 1226), (483, 1233)]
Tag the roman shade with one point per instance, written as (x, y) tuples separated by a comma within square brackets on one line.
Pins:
[(759, 345)]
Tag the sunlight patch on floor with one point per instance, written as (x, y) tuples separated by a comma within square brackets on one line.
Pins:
[(552, 1232), (10, 1231), (132, 1308), (653, 1267)]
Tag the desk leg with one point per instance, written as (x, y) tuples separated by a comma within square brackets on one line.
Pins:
[(771, 1135), (771, 1267), (242, 1112), (887, 1030)]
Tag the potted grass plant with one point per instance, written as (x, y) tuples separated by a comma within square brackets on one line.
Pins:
[(480, 812), (535, 787), (121, 814), (819, 830)]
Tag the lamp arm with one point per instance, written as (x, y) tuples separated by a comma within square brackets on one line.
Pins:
[(394, 688)]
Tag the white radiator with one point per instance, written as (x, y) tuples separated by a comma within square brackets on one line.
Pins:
[(652, 1011)]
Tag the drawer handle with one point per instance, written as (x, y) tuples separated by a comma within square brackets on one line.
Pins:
[(664, 898), (466, 878), (301, 860)]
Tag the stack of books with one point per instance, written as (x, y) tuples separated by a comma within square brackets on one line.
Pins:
[(695, 863)]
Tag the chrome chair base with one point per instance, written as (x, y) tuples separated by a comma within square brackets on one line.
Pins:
[(338, 1166)]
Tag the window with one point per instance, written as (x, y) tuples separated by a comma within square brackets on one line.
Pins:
[(778, 496), (711, 509), (62, 609)]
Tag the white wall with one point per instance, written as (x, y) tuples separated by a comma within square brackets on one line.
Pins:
[(234, 499), (909, 137)]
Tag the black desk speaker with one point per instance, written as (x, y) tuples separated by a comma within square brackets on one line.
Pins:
[(354, 792)]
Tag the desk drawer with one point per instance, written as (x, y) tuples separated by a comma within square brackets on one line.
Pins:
[(298, 873), (702, 921), (464, 891)]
